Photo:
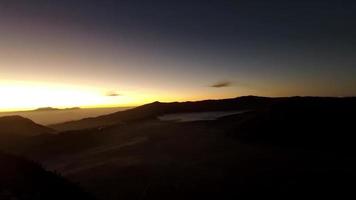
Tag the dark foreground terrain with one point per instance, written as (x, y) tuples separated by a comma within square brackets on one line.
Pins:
[(278, 147), (23, 179)]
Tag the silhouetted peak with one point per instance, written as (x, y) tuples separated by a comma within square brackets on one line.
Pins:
[(151, 105), (46, 109), (18, 125), (14, 118), (55, 109), (251, 97)]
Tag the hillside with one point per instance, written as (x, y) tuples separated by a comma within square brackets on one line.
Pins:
[(309, 122), (287, 147), (22, 179), (13, 128)]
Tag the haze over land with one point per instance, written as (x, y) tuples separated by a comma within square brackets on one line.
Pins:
[(53, 116)]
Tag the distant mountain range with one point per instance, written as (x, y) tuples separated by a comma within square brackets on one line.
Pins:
[(55, 109)]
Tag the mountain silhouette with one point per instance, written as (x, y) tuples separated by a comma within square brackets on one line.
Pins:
[(303, 122), (22, 179), (13, 128), (279, 147), (155, 109), (55, 109)]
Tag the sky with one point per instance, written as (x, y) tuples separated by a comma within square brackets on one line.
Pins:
[(123, 53)]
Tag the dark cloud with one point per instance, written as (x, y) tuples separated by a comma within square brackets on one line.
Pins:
[(221, 84), (112, 94)]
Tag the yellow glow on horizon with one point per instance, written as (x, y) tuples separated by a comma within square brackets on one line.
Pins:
[(27, 95), (17, 95)]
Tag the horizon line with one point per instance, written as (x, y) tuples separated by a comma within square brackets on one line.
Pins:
[(62, 108)]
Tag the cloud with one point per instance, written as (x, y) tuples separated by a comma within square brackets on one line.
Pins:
[(112, 94), (221, 84)]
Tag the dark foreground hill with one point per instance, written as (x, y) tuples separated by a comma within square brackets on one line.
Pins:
[(21, 179), (13, 128), (317, 123), (284, 147)]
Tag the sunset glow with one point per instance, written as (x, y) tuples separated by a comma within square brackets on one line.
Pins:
[(31, 95), (54, 55)]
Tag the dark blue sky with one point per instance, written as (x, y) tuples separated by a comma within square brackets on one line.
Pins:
[(272, 48)]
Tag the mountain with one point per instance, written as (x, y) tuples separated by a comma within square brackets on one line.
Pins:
[(55, 109), (281, 147), (46, 109), (15, 127), (153, 110), (22, 179)]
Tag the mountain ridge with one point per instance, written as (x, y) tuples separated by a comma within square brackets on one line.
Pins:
[(156, 108)]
